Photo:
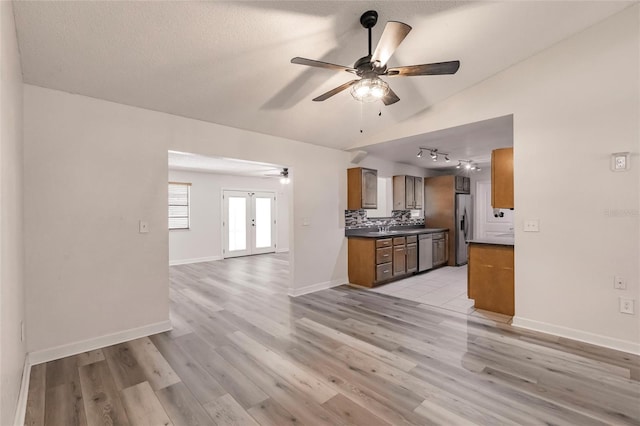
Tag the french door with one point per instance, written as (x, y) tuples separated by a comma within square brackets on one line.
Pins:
[(249, 223)]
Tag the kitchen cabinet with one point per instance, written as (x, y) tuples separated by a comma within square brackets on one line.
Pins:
[(440, 202), (463, 184), (412, 254), (491, 277), (362, 188), (440, 248), (399, 256), (407, 192), (502, 178), (374, 261)]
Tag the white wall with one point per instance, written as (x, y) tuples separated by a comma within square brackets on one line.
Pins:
[(203, 241), (93, 169), (573, 104), (12, 350)]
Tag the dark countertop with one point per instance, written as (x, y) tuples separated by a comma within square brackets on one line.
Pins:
[(393, 233), (494, 241)]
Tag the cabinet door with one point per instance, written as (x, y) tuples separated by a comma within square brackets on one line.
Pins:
[(418, 192), (412, 257), (459, 183), (466, 184), (502, 178), (409, 192), (369, 189), (399, 260)]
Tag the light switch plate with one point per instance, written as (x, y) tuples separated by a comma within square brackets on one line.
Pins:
[(532, 225), (620, 161), (143, 227)]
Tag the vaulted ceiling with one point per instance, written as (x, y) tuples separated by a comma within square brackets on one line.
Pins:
[(229, 62)]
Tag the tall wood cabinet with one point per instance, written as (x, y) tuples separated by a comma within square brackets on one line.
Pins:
[(440, 209), (407, 192), (502, 178), (362, 188)]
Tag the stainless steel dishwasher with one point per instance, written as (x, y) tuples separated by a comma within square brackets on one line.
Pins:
[(425, 252)]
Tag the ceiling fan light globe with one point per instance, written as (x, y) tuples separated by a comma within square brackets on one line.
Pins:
[(369, 90)]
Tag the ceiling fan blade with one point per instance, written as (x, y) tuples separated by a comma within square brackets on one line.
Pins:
[(393, 34), (437, 68), (335, 91), (320, 64), (390, 98)]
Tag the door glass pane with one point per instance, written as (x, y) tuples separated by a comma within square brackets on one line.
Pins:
[(263, 222), (237, 223)]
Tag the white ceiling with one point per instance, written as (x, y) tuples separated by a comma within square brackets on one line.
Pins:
[(470, 142), (228, 62)]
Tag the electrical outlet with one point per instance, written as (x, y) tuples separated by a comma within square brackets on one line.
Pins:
[(143, 227), (626, 306), (619, 283)]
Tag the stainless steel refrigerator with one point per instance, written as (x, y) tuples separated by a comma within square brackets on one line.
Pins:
[(464, 226)]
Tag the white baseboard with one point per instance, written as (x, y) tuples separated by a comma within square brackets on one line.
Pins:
[(284, 250), (21, 409), (195, 260), (295, 292), (45, 355), (582, 336)]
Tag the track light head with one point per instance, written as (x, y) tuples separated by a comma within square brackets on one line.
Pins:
[(446, 158), (459, 164), (419, 154)]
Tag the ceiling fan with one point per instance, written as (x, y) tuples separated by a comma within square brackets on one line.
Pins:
[(370, 87), (283, 175)]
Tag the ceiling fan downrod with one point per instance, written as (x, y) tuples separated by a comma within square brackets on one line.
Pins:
[(369, 20)]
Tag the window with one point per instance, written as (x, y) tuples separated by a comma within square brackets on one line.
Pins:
[(179, 205)]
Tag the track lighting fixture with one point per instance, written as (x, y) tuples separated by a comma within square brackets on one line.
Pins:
[(468, 165)]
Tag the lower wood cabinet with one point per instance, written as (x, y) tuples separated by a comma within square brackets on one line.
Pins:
[(399, 260), (375, 261), (412, 257), (491, 277)]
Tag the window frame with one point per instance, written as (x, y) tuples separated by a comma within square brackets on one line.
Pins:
[(188, 216)]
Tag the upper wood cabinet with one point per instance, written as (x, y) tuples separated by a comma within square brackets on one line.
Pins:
[(407, 192), (502, 178), (362, 188), (463, 184)]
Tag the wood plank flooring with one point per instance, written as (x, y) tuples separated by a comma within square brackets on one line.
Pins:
[(243, 353)]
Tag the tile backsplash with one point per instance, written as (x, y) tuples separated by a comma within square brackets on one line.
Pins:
[(357, 219)]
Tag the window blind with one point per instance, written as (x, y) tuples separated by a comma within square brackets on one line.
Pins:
[(179, 205)]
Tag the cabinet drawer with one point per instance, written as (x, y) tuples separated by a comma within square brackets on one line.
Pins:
[(412, 239), (383, 255), (384, 272), (386, 242), (398, 241)]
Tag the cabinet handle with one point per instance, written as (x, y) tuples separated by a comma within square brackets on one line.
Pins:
[(385, 271), (386, 255)]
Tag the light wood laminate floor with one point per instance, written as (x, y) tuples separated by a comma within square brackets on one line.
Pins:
[(243, 353)]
